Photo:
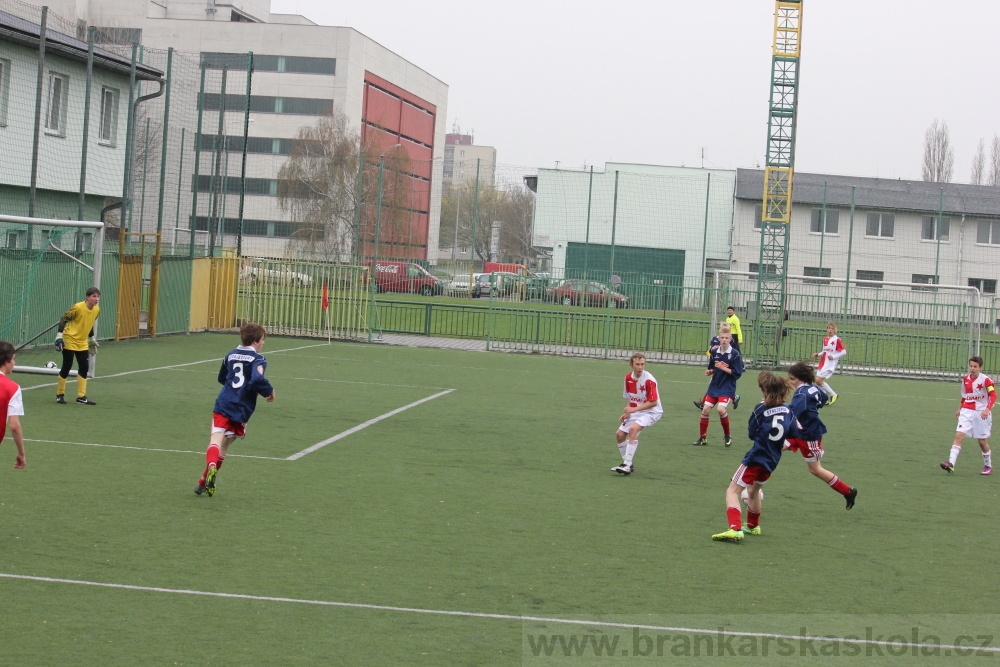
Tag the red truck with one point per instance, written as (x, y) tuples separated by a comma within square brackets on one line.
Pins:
[(393, 276)]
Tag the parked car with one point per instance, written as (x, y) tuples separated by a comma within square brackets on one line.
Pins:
[(393, 276), (538, 285), (587, 293), (481, 285), (460, 286), (274, 275)]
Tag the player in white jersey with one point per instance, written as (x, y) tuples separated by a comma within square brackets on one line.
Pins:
[(974, 415), (833, 350), (643, 410)]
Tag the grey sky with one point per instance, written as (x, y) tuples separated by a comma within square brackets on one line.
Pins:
[(654, 82)]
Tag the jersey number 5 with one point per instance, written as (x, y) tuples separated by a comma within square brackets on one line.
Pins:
[(777, 428), (238, 382)]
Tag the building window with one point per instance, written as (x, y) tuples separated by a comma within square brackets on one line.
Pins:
[(989, 232), (880, 225), (928, 226), (985, 286), (922, 279), (4, 87), (770, 269), (12, 239), (120, 36), (108, 131), (55, 114), (758, 216), (817, 272), (832, 221), (461, 153), (263, 63), (870, 275), (235, 103)]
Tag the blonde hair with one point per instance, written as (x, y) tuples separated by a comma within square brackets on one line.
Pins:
[(725, 328)]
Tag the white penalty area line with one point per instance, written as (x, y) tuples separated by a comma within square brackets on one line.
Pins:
[(166, 368), (150, 449), (364, 425), (503, 617)]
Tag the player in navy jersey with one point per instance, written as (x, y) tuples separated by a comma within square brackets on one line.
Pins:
[(806, 402), (242, 379), (725, 366), (771, 422), (712, 346)]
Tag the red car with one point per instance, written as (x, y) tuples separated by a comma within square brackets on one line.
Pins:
[(586, 293)]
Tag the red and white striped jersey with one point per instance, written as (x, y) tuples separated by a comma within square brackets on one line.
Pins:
[(833, 350), (11, 402), (642, 390), (978, 393)]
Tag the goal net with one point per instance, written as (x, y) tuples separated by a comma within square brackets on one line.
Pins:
[(45, 267)]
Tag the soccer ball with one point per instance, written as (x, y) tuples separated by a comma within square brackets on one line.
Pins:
[(745, 496), (50, 364)]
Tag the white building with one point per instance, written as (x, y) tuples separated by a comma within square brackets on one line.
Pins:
[(669, 223), (60, 136), (893, 237), (302, 71)]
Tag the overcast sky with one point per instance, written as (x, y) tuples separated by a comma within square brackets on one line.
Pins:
[(656, 82)]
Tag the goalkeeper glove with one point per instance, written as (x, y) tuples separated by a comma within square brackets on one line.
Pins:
[(59, 342), (92, 344)]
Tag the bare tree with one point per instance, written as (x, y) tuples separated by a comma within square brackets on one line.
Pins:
[(516, 232), (330, 185), (993, 175), (939, 157), (978, 171)]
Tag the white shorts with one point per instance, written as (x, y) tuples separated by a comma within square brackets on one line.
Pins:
[(644, 419), (974, 426), (826, 372)]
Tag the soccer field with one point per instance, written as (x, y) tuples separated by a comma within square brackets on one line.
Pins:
[(477, 524)]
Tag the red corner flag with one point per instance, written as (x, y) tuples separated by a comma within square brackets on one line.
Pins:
[(326, 298)]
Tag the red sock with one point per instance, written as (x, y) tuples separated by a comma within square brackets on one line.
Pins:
[(212, 456), (725, 424), (218, 465), (735, 516), (837, 485), (753, 519), (704, 426)]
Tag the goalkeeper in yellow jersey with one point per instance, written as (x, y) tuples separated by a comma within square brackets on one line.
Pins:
[(75, 338)]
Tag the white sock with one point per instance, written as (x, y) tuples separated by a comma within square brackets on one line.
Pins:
[(953, 457), (988, 459), (621, 449), (827, 389), (630, 448)]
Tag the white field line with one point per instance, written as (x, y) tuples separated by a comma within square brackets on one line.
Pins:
[(371, 384), (151, 449), (164, 368), (501, 617), (364, 425)]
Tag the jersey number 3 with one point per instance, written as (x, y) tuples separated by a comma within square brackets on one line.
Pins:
[(238, 382)]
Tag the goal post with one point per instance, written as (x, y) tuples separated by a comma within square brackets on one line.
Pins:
[(30, 274)]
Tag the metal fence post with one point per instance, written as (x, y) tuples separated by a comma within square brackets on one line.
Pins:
[(850, 243), (38, 119), (129, 146), (192, 225), (81, 202), (220, 147), (243, 167), (586, 237)]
